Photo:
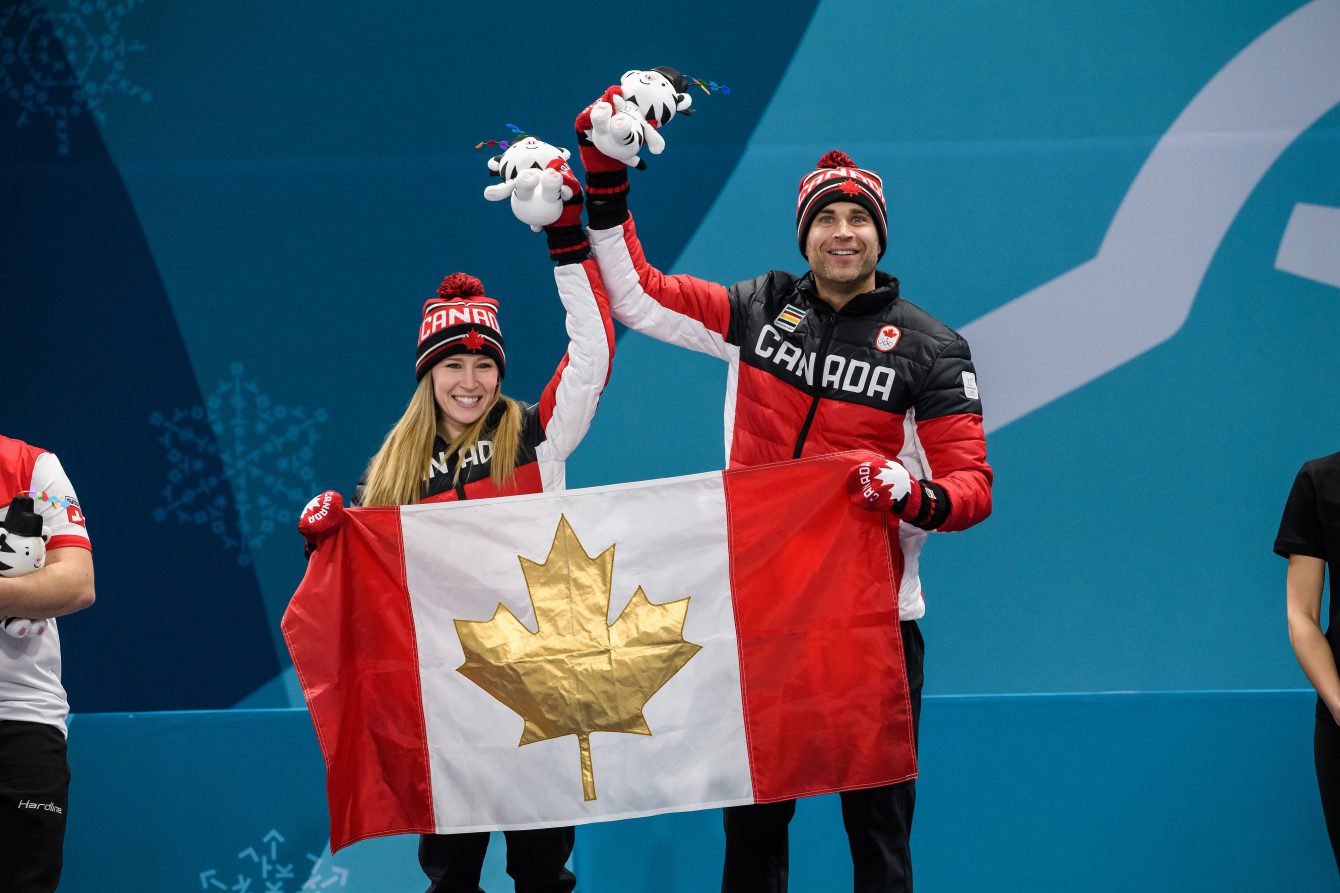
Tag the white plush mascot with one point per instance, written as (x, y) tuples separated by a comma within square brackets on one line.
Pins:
[(658, 93), (23, 549), (532, 180), (629, 117)]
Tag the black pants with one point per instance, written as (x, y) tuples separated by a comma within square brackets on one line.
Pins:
[(34, 787), (1326, 752), (535, 860), (878, 822)]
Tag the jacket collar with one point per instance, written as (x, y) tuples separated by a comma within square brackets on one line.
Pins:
[(884, 294)]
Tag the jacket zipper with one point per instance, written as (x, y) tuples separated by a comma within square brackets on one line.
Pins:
[(818, 386), (456, 483)]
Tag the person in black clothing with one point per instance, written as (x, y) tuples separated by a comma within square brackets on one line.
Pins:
[(1309, 536)]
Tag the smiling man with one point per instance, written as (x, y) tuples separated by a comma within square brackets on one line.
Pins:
[(831, 360)]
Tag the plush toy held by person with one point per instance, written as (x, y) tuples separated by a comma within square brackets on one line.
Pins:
[(658, 93), (630, 114), (530, 174), (23, 549)]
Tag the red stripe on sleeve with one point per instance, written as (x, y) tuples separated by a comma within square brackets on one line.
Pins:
[(550, 396), (822, 675), (955, 446), (350, 631), (67, 541), (704, 301)]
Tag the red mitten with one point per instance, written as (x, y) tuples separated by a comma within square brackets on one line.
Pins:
[(886, 484), (879, 485), (606, 177), (572, 206), (547, 197), (593, 160), (566, 236), (320, 518)]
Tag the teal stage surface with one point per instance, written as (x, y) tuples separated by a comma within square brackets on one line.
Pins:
[(1077, 792)]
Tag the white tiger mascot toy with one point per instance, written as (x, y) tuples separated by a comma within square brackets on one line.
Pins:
[(23, 549), (628, 118), (530, 180), (658, 94)]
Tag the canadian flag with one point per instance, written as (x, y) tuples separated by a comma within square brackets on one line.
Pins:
[(591, 655)]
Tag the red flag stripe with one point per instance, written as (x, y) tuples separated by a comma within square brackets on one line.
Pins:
[(354, 650), (822, 675)]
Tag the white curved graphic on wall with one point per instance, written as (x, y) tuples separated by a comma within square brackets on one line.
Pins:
[(1138, 291), (1310, 246)]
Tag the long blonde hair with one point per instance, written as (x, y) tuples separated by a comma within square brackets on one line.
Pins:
[(403, 465)]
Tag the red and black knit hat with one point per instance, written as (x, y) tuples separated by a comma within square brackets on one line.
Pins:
[(836, 178), (459, 320)]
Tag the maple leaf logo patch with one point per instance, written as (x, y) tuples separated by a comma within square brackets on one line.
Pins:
[(473, 340), (576, 674), (850, 188)]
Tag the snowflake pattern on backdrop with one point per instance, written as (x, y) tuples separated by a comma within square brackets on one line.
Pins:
[(58, 60), (264, 450), (263, 869)]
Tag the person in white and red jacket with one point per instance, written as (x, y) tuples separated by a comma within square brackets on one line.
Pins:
[(835, 359), (34, 773), (462, 438)]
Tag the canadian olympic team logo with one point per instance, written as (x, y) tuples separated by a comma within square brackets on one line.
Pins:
[(888, 338)]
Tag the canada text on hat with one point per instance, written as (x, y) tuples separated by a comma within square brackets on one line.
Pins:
[(438, 315)]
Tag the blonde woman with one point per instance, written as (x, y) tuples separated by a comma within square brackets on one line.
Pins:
[(460, 437)]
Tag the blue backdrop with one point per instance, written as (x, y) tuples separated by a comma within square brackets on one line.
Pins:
[(221, 219)]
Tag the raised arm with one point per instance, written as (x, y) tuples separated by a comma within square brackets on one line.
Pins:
[(681, 310), (569, 400)]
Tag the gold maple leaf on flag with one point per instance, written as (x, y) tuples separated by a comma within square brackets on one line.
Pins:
[(576, 674)]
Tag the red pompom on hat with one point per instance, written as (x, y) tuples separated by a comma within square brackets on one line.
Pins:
[(459, 286), (836, 178), (459, 320), (835, 158)]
